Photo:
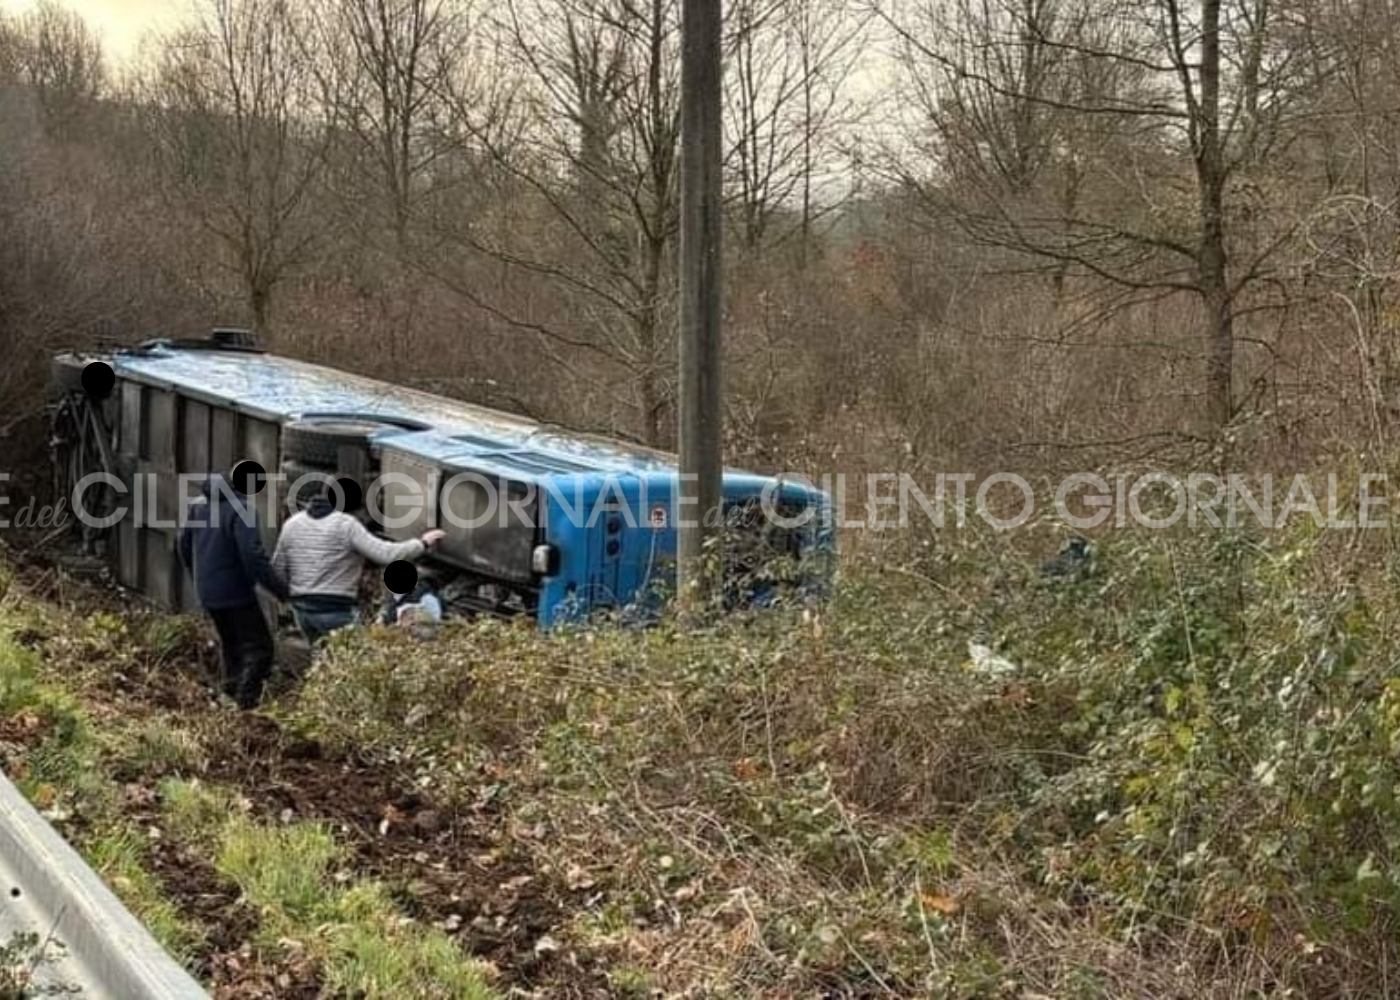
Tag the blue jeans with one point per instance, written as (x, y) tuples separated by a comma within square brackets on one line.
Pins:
[(318, 615)]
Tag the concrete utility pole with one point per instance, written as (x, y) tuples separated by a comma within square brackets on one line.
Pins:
[(701, 263)]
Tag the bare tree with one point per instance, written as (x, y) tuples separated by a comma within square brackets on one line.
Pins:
[(596, 187), (11, 58), (1186, 97), (239, 133), (787, 99), (57, 54), (393, 63), (1351, 162)]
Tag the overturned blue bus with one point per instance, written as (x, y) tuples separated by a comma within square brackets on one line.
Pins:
[(540, 521)]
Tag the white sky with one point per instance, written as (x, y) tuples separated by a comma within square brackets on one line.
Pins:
[(119, 23)]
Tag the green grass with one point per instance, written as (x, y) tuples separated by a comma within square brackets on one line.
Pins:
[(154, 748), (194, 811), (23, 689), (376, 955), (61, 759), (283, 871), (293, 875), (63, 774), (631, 981), (119, 858)]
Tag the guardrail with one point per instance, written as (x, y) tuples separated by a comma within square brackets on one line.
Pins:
[(90, 942)]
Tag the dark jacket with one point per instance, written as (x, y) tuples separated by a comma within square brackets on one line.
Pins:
[(223, 551)]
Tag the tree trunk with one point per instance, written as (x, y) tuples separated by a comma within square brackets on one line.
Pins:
[(650, 401), (259, 302), (651, 404), (1213, 258), (1220, 333), (1069, 208)]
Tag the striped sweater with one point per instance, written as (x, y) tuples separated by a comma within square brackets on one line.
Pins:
[(325, 555)]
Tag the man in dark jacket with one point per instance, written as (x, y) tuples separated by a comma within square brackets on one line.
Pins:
[(223, 551)]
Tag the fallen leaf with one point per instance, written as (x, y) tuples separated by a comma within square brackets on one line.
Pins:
[(687, 892), (577, 877), (945, 905)]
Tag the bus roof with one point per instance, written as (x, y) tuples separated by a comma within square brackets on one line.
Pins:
[(435, 429)]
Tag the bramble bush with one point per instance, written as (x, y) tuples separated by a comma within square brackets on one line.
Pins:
[(1187, 784)]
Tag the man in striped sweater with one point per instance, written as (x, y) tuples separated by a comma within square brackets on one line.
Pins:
[(321, 554)]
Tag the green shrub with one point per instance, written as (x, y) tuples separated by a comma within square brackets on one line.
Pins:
[(1203, 731)]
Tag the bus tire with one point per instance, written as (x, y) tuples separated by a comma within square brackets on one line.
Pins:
[(318, 443)]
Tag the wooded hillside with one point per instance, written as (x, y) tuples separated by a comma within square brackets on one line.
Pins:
[(1024, 232)]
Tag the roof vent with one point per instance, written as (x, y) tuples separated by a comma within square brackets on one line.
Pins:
[(233, 337)]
